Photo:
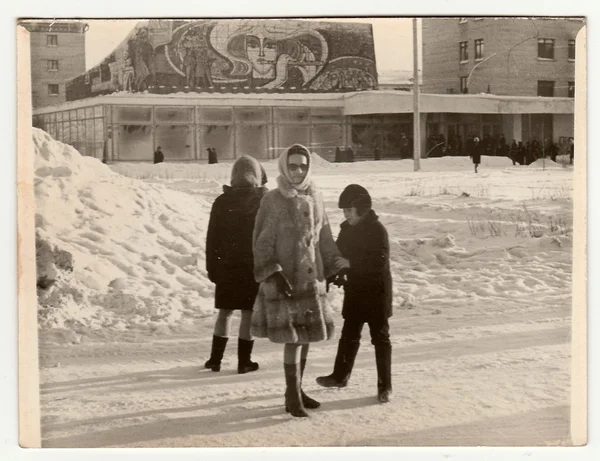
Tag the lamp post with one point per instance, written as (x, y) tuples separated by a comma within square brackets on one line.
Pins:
[(475, 67), (416, 113)]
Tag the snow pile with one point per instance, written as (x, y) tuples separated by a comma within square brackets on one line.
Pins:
[(137, 248), (544, 163), (320, 162)]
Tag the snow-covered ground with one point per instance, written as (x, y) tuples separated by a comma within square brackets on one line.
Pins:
[(481, 327)]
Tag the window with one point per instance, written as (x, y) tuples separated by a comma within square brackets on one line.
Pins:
[(464, 51), (545, 48), (53, 89), (571, 90), (479, 49), (463, 85), (51, 40), (545, 88), (572, 49), (52, 65)]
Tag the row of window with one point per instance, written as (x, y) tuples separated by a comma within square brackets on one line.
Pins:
[(545, 49)]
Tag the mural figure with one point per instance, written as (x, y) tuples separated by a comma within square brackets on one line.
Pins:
[(270, 55), (141, 53), (197, 60)]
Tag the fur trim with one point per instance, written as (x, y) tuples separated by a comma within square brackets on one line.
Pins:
[(288, 190)]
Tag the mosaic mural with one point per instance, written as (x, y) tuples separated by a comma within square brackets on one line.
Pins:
[(236, 55)]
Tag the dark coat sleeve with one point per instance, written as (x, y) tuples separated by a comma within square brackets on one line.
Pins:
[(213, 236)]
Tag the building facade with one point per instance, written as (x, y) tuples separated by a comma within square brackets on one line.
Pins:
[(255, 87), (502, 56), (57, 55)]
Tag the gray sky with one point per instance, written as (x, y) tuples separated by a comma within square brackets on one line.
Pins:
[(393, 40)]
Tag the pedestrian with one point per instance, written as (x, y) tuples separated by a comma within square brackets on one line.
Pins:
[(571, 152), (294, 253), (212, 156), (159, 157), (514, 151), (476, 152), (229, 260), (376, 153), (364, 245)]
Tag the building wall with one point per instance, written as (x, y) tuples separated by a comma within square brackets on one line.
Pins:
[(440, 55), (514, 69), (70, 54), (563, 126)]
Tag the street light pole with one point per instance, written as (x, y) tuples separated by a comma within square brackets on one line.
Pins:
[(475, 67), (416, 113)]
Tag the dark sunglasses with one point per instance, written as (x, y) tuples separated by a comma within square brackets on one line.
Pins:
[(294, 166)]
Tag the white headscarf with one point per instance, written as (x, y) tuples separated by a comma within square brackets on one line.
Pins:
[(283, 166)]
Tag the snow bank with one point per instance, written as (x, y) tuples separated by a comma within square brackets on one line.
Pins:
[(544, 163), (138, 248)]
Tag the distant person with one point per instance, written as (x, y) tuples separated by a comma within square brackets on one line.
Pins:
[(522, 153), (212, 156), (367, 281), (338, 155), (159, 157), (230, 262), (514, 151), (376, 153), (350, 154), (475, 153), (571, 152)]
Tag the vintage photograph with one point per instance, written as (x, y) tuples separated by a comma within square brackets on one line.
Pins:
[(318, 232)]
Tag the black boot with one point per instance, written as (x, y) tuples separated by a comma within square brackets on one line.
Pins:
[(293, 400), (383, 359), (308, 402), (244, 352), (216, 353), (344, 363)]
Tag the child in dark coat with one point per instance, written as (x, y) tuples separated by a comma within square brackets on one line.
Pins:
[(367, 280), (229, 259)]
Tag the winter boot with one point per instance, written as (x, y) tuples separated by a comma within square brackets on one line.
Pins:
[(293, 400), (244, 352), (344, 363), (216, 353), (309, 403), (383, 359)]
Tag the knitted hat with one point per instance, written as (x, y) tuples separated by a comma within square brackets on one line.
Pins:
[(246, 172), (355, 196)]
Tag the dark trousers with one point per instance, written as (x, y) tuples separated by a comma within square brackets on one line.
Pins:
[(378, 327)]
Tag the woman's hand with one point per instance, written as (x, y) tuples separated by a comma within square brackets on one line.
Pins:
[(282, 283), (341, 263)]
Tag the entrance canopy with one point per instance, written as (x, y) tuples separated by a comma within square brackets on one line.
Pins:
[(397, 102)]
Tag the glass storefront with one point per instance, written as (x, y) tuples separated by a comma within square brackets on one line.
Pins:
[(132, 133)]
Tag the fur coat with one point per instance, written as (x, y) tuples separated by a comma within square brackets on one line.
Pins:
[(292, 234)]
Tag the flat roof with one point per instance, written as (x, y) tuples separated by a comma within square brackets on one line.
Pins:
[(354, 103)]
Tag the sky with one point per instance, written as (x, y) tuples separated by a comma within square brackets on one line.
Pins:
[(393, 40)]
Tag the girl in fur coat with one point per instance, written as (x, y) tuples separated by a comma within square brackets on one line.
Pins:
[(294, 253), (229, 260)]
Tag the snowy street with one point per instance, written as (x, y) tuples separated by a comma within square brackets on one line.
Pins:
[(481, 328)]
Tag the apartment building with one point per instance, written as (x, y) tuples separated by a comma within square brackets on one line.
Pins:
[(57, 55), (501, 56)]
